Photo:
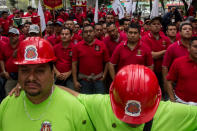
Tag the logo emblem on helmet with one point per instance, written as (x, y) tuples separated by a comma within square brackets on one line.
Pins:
[(133, 108), (46, 126), (31, 53)]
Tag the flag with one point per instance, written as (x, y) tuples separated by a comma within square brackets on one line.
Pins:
[(134, 7), (118, 9), (155, 9), (96, 12), (53, 4), (33, 4), (42, 18), (128, 6)]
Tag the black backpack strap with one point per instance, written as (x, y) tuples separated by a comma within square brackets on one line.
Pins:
[(148, 126)]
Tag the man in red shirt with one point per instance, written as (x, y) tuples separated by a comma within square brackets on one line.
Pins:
[(91, 58), (158, 44), (79, 16), (177, 49), (5, 22), (75, 38), (34, 16), (63, 65), (194, 25), (130, 52), (171, 32), (8, 53), (24, 31), (146, 27), (47, 14), (126, 24), (63, 15), (184, 73), (99, 31), (55, 38), (114, 38), (109, 18)]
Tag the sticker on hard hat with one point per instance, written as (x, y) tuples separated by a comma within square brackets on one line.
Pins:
[(46, 126), (31, 53), (133, 108)]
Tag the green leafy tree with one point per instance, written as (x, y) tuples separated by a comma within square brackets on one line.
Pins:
[(13, 2)]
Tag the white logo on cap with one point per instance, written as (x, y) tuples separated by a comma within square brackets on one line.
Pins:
[(133, 108), (31, 53)]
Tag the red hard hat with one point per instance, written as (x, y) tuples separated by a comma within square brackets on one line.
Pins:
[(34, 50), (135, 94)]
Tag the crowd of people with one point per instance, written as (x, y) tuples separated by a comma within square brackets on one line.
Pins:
[(112, 56)]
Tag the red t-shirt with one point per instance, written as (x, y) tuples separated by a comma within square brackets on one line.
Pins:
[(47, 16), (35, 19), (4, 39), (123, 55), (156, 46), (7, 56), (184, 72), (5, 24), (79, 18), (54, 39), (64, 57), (76, 38), (90, 57), (63, 16), (174, 51), (111, 45)]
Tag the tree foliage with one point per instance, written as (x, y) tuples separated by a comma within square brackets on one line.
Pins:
[(13, 2)]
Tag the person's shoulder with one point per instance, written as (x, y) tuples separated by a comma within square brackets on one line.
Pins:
[(181, 59)]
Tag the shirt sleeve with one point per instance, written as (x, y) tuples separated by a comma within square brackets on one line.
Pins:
[(173, 73), (74, 53), (167, 61), (115, 56), (149, 59), (106, 53), (2, 110)]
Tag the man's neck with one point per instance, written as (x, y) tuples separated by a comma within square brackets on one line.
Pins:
[(132, 45), (193, 59), (155, 35), (40, 98), (65, 44), (172, 38), (185, 42), (90, 43)]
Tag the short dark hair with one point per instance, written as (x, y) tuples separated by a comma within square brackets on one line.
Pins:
[(136, 26), (29, 7), (184, 23), (109, 24), (65, 28), (97, 24), (87, 26), (192, 39), (4, 12), (171, 24)]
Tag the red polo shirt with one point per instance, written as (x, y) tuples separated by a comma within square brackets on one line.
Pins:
[(184, 72), (53, 39), (156, 46), (76, 38), (174, 51), (7, 56), (47, 16), (111, 45), (90, 57), (64, 57), (4, 39), (123, 55), (5, 24)]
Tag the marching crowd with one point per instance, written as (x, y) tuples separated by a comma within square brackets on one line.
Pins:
[(112, 56)]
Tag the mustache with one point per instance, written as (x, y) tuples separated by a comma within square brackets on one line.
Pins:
[(31, 82)]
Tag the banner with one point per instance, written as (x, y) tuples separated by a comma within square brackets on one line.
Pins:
[(53, 4), (155, 9), (118, 9), (42, 18), (96, 12)]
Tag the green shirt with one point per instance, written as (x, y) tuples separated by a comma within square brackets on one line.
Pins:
[(169, 116), (62, 111)]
